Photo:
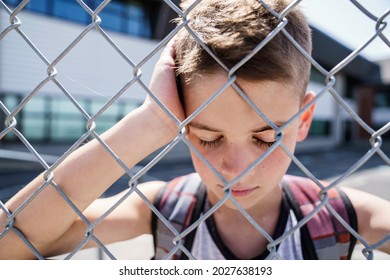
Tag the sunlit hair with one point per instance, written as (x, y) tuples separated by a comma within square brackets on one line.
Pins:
[(232, 29)]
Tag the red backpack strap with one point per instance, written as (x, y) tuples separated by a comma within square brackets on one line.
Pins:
[(180, 202), (323, 236)]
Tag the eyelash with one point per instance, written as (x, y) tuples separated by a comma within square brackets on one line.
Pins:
[(210, 144), (215, 143), (263, 144)]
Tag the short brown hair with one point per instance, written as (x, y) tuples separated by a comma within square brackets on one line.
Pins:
[(232, 29)]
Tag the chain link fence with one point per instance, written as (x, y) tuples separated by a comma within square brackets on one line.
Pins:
[(11, 121)]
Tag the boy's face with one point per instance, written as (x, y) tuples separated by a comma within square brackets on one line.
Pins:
[(231, 135)]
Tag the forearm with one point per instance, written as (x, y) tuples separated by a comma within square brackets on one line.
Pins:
[(86, 174), (94, 169), (372, 215)]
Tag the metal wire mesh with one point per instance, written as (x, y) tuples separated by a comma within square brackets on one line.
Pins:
[(16, 26)]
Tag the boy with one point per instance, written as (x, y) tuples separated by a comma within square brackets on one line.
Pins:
[(229, 135)]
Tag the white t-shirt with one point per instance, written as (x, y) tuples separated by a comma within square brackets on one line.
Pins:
[(208, 246)]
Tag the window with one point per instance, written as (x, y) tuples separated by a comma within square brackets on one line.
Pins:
[(316, 76), (67, 123), (320, 128), (382, 99), (12, 2), (10, 102), (69, 9), (129, 18), (137, 22), (56, 119), (112, 17), (34, 119), (39, 6)]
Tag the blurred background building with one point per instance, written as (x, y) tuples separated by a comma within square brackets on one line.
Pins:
[(93, 72)]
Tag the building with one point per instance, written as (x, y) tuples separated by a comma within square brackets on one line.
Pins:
[(93, 71), (380, 94), (352, 83)]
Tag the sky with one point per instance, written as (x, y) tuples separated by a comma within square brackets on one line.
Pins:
[(342, 20)]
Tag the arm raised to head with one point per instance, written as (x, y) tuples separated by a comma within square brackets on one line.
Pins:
[(86, 173)]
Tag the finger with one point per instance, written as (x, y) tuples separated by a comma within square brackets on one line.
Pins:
[(169, 50)]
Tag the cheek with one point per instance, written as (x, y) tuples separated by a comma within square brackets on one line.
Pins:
[(274, 165), (202, 169), (198, 163)]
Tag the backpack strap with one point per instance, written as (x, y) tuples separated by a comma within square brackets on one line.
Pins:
[(181, 203), (323, 236)]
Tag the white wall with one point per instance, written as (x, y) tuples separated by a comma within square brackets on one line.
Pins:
[(385, 70), (93, 67)]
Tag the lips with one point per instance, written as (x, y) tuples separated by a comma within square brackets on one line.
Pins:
[(240, 192)]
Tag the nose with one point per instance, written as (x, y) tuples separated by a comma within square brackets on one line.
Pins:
[(236, 159)]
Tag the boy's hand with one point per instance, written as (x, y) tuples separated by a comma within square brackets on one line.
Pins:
[(163, 85)]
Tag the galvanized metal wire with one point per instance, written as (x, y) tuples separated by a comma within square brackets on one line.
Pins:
[(16, 26)]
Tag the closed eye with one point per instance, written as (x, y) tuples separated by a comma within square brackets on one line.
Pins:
[(263, 144), (210, 144)]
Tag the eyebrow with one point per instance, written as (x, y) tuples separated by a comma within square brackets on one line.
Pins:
[(211, 129)]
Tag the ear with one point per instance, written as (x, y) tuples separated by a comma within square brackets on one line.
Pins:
[(306, 118)]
